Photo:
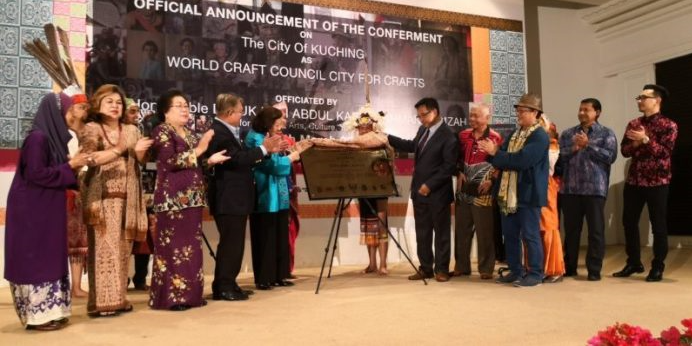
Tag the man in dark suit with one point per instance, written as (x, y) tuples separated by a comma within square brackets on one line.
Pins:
[(436, 152), (232, 193)]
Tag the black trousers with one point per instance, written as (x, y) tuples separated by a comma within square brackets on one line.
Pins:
[(574, 209), (433, 219), (656, 200), (229, 252), (141, 269), (497, 234), (270, 253)]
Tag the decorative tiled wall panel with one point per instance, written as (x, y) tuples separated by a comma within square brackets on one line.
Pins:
[(22, 80), (507, 69)]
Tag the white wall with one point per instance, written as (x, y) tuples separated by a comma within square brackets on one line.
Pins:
[(611, 65), (506, 9)]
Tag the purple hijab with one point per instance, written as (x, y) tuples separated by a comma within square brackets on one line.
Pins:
[(50, 119)]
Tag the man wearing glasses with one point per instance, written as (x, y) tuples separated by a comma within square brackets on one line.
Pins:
[(522, 191), (649, 142), (436, 152)]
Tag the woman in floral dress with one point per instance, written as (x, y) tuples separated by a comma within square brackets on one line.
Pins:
[(177, 281)]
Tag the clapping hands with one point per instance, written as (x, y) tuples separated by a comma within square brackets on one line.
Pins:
[(487, 146)]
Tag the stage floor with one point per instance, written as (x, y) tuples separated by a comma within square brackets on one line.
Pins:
[(354, 308)]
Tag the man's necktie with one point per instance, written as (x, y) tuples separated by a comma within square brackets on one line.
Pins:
[(423, 140)]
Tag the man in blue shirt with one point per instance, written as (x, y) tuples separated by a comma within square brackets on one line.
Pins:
[(586, 151)]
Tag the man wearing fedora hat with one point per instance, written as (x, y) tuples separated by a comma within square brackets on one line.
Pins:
[(649, 142), (523, 161)]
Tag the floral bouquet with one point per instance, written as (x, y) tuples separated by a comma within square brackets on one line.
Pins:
[(622, 334)]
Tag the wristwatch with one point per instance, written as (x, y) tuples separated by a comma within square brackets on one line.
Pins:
[(645, 139)]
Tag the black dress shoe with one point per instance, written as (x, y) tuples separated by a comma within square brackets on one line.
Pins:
[(179, 307), (594, 277), (246, 292), (284, 283), (629, 270), (655, 275), (229, 296), (264, 287), (141, 287), (570, 273)]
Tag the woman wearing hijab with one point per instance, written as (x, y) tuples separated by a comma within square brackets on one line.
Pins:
[(36, 230)]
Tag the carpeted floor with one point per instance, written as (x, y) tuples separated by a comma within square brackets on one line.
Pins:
[(357, 309)]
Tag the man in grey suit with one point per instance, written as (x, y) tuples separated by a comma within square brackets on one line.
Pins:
[(436, 152)]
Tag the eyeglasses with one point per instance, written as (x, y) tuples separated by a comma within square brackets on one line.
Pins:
[(424, 114), (523, 110), (644, 97)]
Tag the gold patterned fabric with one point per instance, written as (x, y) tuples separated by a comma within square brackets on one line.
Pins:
[(115, 215)]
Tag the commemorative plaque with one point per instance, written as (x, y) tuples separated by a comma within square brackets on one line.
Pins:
[(332, 173)]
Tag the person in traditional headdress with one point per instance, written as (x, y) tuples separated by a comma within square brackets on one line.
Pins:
[(368, 125), (77, 247), (36, 263)]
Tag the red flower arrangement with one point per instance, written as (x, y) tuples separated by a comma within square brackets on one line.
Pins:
[(623, 334)]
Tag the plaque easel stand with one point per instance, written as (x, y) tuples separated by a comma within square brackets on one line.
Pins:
[(341, 205), (338, 215)]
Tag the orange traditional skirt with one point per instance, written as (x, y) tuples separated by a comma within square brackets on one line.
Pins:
[(372, 232), (554, 262)]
